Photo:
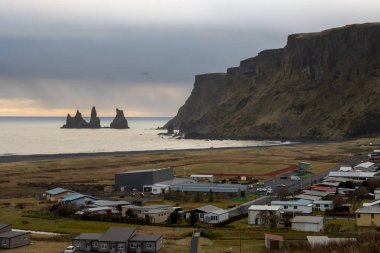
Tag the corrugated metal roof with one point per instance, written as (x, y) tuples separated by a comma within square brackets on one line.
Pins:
[(11, 234), (2, 226), (307, 219), (75, 196), (364, 165), (110, 203), (352, 174), (146, 238), (368, 209), (323, 202), (209, 187), (57, 190), (264, 208), (118, 234), (211, 209), (307, 197), (298, 202), (316, 193)]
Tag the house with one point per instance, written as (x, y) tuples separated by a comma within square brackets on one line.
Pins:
[(307, 223), (317, 193), (78, 199), (210, 214), (10, 239), (368, 216), (57, 193), (324, 240), (254, 211), (295, 206), (323, 205), (307, 197), (377, 193), (365, 166), (274, 242), (145, 243), (152, 213), (118, 240), (218, 190), (98, 211)]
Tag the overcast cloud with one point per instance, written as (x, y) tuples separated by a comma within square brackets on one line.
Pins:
[(142, 55)]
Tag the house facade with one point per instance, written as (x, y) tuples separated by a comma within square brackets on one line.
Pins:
[(295, 206), (307, 223), (57, 193), (368, 216), (118, 240), (210, 214), (254, 213), (10, 239)]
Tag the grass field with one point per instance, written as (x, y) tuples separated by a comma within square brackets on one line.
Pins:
[(21, 181)]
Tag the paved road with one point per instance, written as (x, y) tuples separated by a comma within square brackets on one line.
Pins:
[(194, 241)]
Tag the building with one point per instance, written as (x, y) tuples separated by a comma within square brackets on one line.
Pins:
[(210, 214), (323, 188), (274, 242), (307, 223), (164, 186), (323, 205), (151, 214), (295, 206), (368, 216), (218, 190), (324, 240), (57, 193), (304, 166), (136, 179), (10, 239), (201, 177), (307, 197), (118, 239), (354, 175), (365, 166), (254, 211), (78, 199), (317, 193)]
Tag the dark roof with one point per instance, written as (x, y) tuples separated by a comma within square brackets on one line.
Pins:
[(146, 238), (2, 226), (118, 234), (86, 236), (11, 234)]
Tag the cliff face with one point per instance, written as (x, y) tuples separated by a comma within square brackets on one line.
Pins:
[(319, 86), (119, 122), (94, 121), (75, 122)]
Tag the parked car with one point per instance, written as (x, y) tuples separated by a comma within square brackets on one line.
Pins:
[(261, 189), (269, 191), (281, 185), (70, 249), (260, 183)]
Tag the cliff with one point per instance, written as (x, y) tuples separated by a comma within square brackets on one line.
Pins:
[(322, 85), (94, 121), (76, 122)]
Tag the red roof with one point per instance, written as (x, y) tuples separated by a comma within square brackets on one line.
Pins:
[(274, 237), (324, 188)]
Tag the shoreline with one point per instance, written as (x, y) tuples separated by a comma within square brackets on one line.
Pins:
[(42, 157)]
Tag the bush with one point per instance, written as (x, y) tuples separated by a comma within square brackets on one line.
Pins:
[(210, 234)]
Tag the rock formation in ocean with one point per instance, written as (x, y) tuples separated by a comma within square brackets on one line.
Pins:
[(94, 121), (119, 122), (323, 85), (75, 122)]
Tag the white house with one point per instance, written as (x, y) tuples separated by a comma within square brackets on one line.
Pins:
[(210, 214), (377, 194), (295, 206), (307, 223), (323, 205), (255, 210)]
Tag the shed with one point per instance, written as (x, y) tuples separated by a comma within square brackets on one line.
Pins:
[(14, 239), (307, 223), (273, 241), (255, 210)]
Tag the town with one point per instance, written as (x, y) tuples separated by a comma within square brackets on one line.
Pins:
[(326, 207)]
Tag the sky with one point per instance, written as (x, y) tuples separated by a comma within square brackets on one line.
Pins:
[(142, 55)]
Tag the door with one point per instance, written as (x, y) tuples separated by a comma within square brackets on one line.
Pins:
[(112, 247)]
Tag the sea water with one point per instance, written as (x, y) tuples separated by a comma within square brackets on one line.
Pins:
[(43, 135)]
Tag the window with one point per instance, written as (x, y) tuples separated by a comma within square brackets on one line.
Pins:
[(149, 246), (5, 242), (104, 246), (94, 244), (285, 207), (317, 205), (358, 215), (295, 207), (133, 245), (120, 246), (372, 216), (326, 205)]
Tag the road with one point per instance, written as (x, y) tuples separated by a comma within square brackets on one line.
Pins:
[(194, 241)]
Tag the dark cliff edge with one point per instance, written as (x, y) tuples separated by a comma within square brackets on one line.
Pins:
[(320, 86)]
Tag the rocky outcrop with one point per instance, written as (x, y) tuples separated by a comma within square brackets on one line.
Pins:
[(322, 85), (119, 122), (75, 122), (94, 121)]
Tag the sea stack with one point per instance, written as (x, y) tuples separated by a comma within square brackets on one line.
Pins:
[(94, 121), (75, 122), (119, 122)]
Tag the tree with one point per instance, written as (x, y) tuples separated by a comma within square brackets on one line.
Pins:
[(174, 217), (264, 218), (193, 218), (338, 202), (211, 196), (274, 219)]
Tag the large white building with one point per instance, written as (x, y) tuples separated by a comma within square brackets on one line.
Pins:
[(295, 206), (255, 210), (307, 223)]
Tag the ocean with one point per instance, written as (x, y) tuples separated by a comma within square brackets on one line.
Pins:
[(43, 135)]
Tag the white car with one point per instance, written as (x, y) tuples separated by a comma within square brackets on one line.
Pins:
[(261, 189), (70, 249)]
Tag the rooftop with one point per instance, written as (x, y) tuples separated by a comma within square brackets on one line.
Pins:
[(316, 193), (143, 171), (307, 197), (150, 207), (264, 208), (298, 202), (323, 188), (146, 238), (307, 219), (354, 174), (75, 196), (274, 237), (2, 226), (57, 190), (88, 236), (118, 234), (211, 209), (365, 165), (110, 203), (196, 187), (323, 202), (368, 209), (11, 234)]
